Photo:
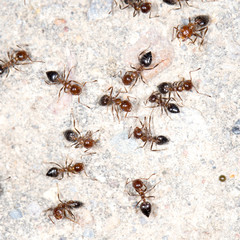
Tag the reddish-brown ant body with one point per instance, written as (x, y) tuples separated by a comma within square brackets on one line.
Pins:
[(15, 58), (69, 86), (78, 139), (58, 172), (115, 102), (145, 60), (163, 103), (142, 189), (178, 86), (196, 28), (144, 133), (138, 6), (63, 210)]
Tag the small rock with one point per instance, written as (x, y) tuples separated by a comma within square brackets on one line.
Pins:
[(15, 214)]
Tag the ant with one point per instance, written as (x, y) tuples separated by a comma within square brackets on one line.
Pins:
[(144, 133), (163, 102), (63, 210), (117, 103), (142, 189), (174, 2), (178, 86), (79, 140), (138, 6), (197, 27), (145, 60), (16, 58), (69, 168), (69, 86)]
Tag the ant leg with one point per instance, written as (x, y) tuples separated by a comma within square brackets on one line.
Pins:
[(83, 103), (148, 177), (138, 203), (203, 35), (69, 72), (56, 164), (74, 126), (59, 197), (59, 93), (175, 31), (152, 187), (150, 16), (130, 133), (51, 219)]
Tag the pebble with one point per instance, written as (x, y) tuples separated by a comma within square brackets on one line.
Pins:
[(15, 214)]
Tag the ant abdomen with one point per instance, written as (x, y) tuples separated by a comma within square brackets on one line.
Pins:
[(105, 100), (70, 135), (160, 140), (202, 20), (173, 108), (75, 204), (53, 76), (163, 88), (170, 2), (2, 70), (146, 208), (53, 172), (146, 59)]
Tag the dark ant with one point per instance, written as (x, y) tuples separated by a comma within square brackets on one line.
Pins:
[(142, 189), (144, 133), (197, 27), (69, 86), (16, 58), (174, 2), (69, 168), (163, 102), (63, 210), (145, 60), (178, 86), (138, 6), (79, 140), (117, 103)]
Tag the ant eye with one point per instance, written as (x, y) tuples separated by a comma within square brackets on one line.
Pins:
[(52, 76), (70, 135), (53, 172), (146, 208), (146, 59)]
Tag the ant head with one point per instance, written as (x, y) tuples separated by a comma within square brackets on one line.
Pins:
[(173, 108), (188, 85), (153, 98), (105, 100), (88, 143), (53, 172), (75, 89), (70, 135), (146, 7), (21, 55), (75, 204), (163, 88), (146, 59), (128, 78), (78, 167), (126, 106), (52, 76), (137, 184), (146, 208), (137, 133), (160, 140), (2, 70), (58, 213), (170, 2)]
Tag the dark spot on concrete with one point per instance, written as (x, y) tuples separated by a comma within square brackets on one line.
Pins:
[(236, 127)]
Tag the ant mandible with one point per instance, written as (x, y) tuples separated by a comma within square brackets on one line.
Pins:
[(142, 189), (78, 139), (144, 133), (69, 86), (117, 103), (145, 60), (58, 172), (15, 58), (179, 86), (164, 103), (197, 27), (63, 210)]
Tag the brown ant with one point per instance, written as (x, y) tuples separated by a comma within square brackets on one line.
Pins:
[(142, 189), (63, 210), (69, 168), (79, 140), (145, 60), (174, 2), (138, 6), (178, 86), (144, 133), (117, 103), (164, 103), (15, 58), (197, 27), (69, 86)]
